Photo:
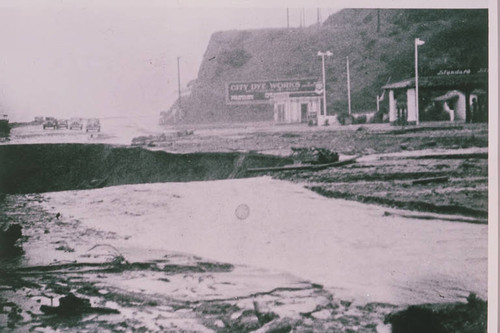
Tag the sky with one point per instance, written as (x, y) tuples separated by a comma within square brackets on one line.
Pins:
[(110, 58), (70, 58)]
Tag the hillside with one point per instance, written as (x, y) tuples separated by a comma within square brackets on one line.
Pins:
[(378, 53)]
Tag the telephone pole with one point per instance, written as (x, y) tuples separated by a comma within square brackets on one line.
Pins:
[(348, 88)]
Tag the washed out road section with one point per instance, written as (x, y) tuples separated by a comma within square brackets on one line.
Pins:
[(35, 168), (357, 250)]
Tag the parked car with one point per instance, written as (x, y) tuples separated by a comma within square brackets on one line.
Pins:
[(75, 123), (50, 122), (93, 125), (62, 123)]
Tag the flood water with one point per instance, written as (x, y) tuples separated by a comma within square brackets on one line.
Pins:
[(356, 250)]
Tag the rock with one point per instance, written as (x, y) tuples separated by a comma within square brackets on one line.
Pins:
[(323, 314), (236, 315), (346, 303), (264, 314), (248, 321), (283, 325), (219, 323)]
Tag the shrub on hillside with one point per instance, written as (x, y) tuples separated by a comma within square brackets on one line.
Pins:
[(234, 58)]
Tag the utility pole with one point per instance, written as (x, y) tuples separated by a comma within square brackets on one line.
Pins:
[(287, 18), (418, 42), (348, 88), (179, 81), (319, 17), (322, 55)]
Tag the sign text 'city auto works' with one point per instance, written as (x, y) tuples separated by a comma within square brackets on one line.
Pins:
[(258, 92)]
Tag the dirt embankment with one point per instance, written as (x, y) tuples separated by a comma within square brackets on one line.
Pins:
[(58, 167)]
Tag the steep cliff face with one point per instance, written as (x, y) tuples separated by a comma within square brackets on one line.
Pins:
[(379, 44)]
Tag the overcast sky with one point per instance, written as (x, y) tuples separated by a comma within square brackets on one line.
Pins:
[(107, 58), (88, 59)]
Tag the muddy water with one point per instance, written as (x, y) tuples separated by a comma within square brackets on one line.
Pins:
[(153, 289), (356, 250)]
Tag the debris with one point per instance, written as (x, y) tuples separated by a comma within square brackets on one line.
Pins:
[(149, 140), (305, 167), (280, 325), (314, 155), (423, 181), (322, 315), (449, 156), (72, 305), (184, 133), (346, 303), (65, 248), (219, 324), (247, 321), (264, 315)]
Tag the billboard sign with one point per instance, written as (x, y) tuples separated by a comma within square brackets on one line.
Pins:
[(260, 92)]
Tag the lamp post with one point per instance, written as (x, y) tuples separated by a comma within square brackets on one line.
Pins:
[(418, 42), (322, 55)]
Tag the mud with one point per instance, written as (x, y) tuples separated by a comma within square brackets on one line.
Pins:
[(158, 291), (393, 182)]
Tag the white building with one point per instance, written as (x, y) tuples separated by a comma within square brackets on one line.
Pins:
[(296, 108), (458, 100)]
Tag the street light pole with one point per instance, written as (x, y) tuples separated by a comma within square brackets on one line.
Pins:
[(418, 42), (322, 55)]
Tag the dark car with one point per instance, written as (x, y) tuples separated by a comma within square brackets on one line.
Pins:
[(93, 125), (50, 122), (76, 123)]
